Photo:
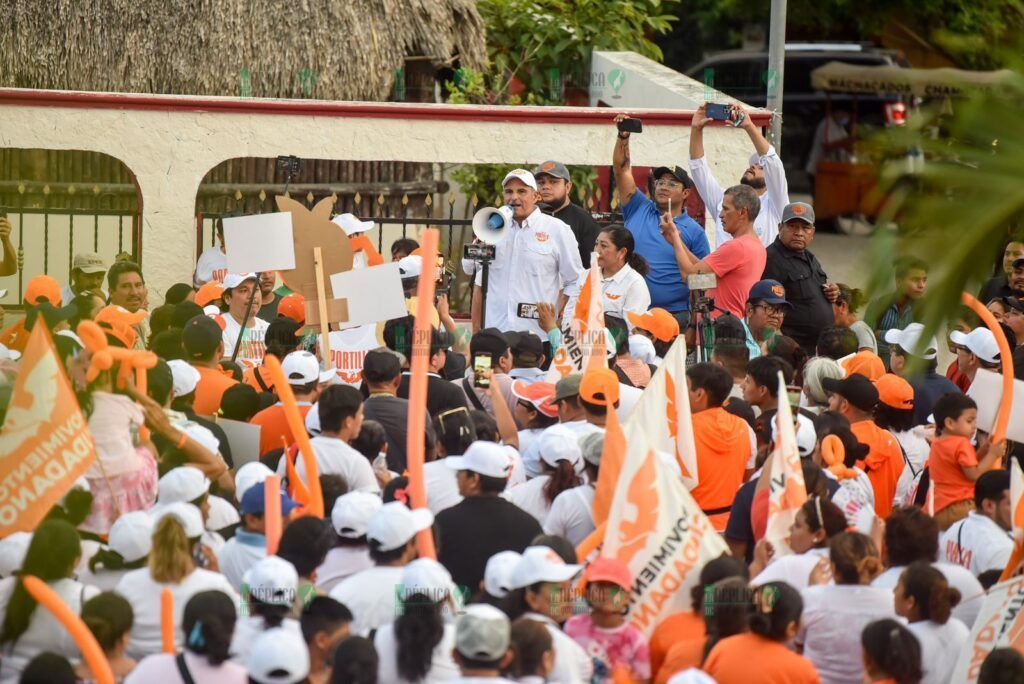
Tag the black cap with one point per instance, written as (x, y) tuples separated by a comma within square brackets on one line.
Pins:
[(1012, 303), (200, 337), (677, 171), (856, 389), (184, 312), (489, 341), (381, 365), (525, 345)]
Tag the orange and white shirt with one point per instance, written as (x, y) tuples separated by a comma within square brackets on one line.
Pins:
[(253, 348), (348, 349), (211, 267), (626, 291)]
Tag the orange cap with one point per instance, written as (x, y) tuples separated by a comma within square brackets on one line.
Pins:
[(605, 569), (658, 322), (894, 391), (210, 292), (867, 363), (43, 286), (118, 321), (600, 386), (540, 394), (294, 307)]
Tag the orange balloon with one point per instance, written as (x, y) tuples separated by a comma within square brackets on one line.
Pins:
[(94, 656), (272, 512), (167, 620), (1006, 360)]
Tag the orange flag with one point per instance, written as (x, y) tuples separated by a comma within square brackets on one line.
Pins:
[(584, 345), (786, 489), (45, 443)]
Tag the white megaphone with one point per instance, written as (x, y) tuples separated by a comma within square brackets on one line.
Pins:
[(490, 223)]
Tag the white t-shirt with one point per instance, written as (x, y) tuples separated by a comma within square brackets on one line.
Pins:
[(916, 449), (442, 665), (572, 664), (572, 514), (833, 617), (104, 580), (976, 543), (528, 451), (856, 499), (370, 595), (625, 292), (212, 265), (348, 349), (248, 628), (972, 595), (342, 562), (250, 354), (144, 594), (240, 553), (940, 648), (793, 569), (529, 496), (442, 486), (162, 668), (335, 457)]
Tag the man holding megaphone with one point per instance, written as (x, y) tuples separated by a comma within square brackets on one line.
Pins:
[(536, 259)]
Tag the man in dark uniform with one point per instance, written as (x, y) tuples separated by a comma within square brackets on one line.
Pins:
[(554, 185), (808, 290)]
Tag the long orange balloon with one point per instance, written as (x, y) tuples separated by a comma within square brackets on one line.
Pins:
[(167, 620), (422, 331), (87, 644), (1005, 358), (272, 512)]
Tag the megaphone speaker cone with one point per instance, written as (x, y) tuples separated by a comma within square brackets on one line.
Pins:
[(489, 224), (495, 222)]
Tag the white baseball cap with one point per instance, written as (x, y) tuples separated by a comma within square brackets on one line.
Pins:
[(184, 483), (187, 514), (302, 368), (313, 420), (393, 525), (131, 535), (250, 474), (522, 174), (541, 564), (559, 443), (278, 656), (410, 266), (222, 514), (352, 512), (980, 342), (352, 225), (806, 437), (498, 573), (203, 435), (483, 458), (13, 548), (232, 280), (482, 633), (7, 354), (211, 310), (185, 377), (909, 338), (272, 580), (426, 576)]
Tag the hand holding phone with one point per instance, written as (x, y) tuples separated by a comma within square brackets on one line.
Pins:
[(482, 371), (629, 125), (718, 112)]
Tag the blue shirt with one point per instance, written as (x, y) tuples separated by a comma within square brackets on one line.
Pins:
[(664, 280)]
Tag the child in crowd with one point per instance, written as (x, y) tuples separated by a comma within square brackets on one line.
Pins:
[(109, 617), (890, 652)]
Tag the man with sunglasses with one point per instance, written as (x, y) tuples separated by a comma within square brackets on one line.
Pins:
[(808, 290), (767, 309)]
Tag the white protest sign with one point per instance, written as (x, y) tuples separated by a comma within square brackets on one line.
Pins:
[(261, 242), (373, 294), (244, 439), (1000, 624), (987, 392)]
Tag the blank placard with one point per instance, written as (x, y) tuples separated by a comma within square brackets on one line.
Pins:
[(373, 294), (261, 242)]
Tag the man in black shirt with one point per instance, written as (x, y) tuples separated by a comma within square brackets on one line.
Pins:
[(808, 290), (441, 395), (483, 523), (554, 185), (382, 374)]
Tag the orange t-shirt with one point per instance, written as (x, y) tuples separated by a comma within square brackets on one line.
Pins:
[(274, 426), (949, 453), (681, 657), (733, 660), (723, 454), (676, 627), (249, 378), (884, 463), (212, 385)]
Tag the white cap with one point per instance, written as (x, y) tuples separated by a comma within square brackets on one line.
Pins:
[(541, 564), (278, 656), (313, 420), (222, 514), (131, 535), (302, 368), (351, 225), (806, 437), (692, 675), (483, 458), (232, 280), (410, 266), (185, 377), (9, 354), (980, 341), (522, 174), (426, 576), (272, 580), (13, 548), (642, 349), (559, 443), (250, 474), (352, 512), (203, 435), (498, 573), (184, 483), (909, 338), (211, 310), (393, 525), (187, 514), (482, 632)]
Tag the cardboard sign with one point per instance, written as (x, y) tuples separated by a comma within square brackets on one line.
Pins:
[(373, 294), (313, 228), (261, 242), (1000, 624), (987, 392), (45, 443), (244, 439)]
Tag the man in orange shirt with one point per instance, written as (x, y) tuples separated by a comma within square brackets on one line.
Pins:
[(725, 443), (202, 340), (855, 398), (305, 377)]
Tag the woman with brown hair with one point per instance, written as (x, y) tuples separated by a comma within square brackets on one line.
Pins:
[(925, 599)]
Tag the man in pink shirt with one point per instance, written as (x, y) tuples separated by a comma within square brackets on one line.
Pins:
[(738, 263)]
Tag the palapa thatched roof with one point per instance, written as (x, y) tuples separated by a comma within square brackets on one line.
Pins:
[(200, 47)]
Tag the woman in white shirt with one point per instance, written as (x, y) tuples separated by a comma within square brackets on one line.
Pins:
[(127, 549), (171, 564), (572, 512), (561, 463), (623, 287), (817, 521), (925, 599), (28, 629)]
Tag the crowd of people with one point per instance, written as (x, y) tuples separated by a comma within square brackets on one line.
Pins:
[(907, 522)]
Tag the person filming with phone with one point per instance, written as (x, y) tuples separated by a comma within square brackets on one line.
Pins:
[(765, 173), (641, 215)]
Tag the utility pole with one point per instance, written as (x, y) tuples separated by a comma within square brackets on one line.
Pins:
[(773, 78)]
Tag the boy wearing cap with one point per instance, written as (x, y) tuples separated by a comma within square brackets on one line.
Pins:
[(554, 186), (238, 289), (305, 378), (642, 216), (203, 342), (919, 371), (87, 271), (249, 545), (527, 357), (974, 350), (482, 639)]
